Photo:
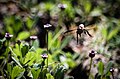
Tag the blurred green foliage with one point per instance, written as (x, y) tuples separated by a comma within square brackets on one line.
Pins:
[(24, 18)]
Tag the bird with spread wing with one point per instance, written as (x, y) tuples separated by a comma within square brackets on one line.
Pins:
[(79, 30)]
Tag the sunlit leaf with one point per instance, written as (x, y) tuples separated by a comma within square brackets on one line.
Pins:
[(113, 33), (104, 32), (48, 6), (29, 23), (100, 67), (16, 72), (29, 58), (23, 35), (35, 73), (49, 76)]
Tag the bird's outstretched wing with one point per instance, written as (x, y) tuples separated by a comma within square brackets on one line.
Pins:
[(69, 31)]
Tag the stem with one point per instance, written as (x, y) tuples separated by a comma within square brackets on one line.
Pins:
[(47, 48), (47, 42), (112, 76), (101, 77), (90, 67), (7, 48), (7, 56), (19, 47), (43, 63), (7, 52), (60, 19)]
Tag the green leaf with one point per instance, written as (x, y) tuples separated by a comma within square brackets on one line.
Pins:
[(35, 73), (113, 33), (9, 68), (100, 67), (104, 32), (56, 44), (29, 58), (59, 72), (50, 36), (49, 76), (9, 29), (8, 22), (109, 65), (48, 6), (43, 74), (54, 38), (16, 71), (17, 25), (1, 42), (36, 44), (29, 23), (17, 52), (71, 63), (25, 49), (87, 6), (65, 42), (69, 11), (23, 35)]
